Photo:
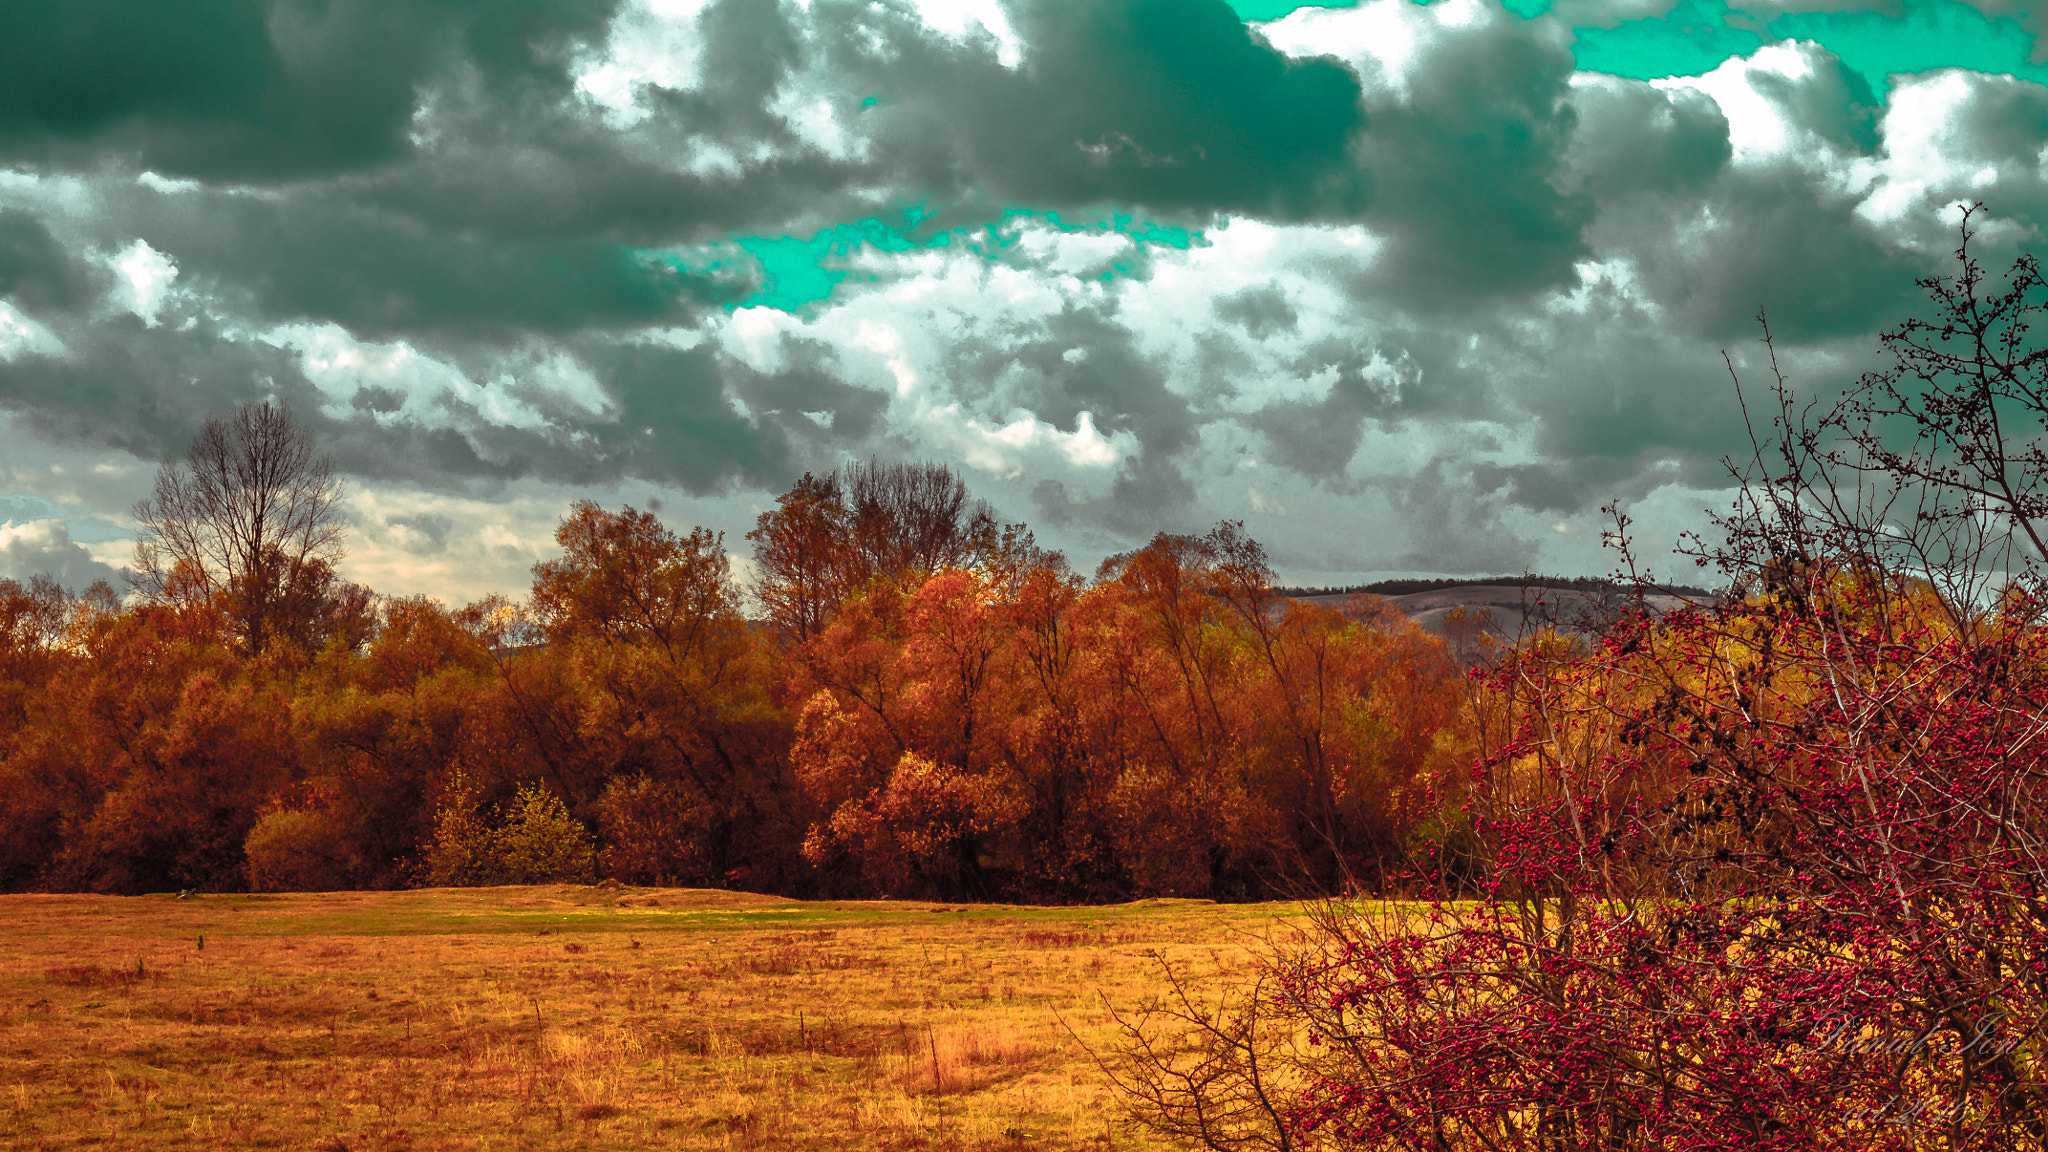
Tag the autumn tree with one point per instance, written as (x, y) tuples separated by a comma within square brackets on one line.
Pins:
[(35, 619), (652, 710), (377, 739), (251, 519), (1007, 728), (159, 745), (830, 536), (900, 743), (801, 557)]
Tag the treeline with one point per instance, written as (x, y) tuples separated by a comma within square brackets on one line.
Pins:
[(918, 701)]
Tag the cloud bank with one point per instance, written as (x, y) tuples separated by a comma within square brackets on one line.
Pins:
[(1405, 288)]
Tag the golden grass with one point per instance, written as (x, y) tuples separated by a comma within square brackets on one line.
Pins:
[(569, 1017)]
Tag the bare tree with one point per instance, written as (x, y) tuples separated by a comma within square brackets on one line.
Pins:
[(250, 519), (1934, 469), (911, 518), (829, 536)]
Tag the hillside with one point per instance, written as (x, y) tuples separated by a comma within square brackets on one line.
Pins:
[(1503, 610)]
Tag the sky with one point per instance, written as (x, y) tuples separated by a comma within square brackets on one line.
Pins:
[(1406, 288)]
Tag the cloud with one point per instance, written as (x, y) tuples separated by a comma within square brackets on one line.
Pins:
[(1394, 282), (1471, 116), (266, 90), (35, 270), (45, 548), (20, 335), (145, 277)]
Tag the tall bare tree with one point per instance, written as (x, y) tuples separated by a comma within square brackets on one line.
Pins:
[(829, 536), (911, 518), (251, 520)]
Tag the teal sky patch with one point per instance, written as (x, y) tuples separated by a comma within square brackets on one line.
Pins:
[(796, 272), (1697, 35), (1273, 9)]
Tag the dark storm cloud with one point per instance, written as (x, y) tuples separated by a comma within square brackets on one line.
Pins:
[(1778, 244), (705, 162), (1469, 169), (676, 425), (1261, 310), (2007, 120), (433, 456), (1172, 106), (424, 171), (145, 391), (326, 256), (809, 386), (1634, 140), (1086, 360), (672, 421), (254, 90), (35, 270), (1715, 242), (1318, 438)]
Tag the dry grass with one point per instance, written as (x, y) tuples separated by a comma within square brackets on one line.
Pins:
[(567, 1017)]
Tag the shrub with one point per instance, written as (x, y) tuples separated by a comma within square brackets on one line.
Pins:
[(539, 842), (1765, 873), (299, 851)]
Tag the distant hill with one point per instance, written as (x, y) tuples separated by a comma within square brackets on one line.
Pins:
[(1503, 607), (1593, 584)]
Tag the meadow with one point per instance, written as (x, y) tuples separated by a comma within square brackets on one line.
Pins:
[(568, 1016)]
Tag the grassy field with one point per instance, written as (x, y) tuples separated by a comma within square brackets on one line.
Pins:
[(570, 1017)]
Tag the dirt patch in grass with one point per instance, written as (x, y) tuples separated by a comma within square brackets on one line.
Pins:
[(94, 976)]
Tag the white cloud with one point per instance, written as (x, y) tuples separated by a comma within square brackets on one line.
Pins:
[(1383, 40), (430, 391), (1026, 445), (167, 186), (44, 547), (652, 42), (753, 336), (964, 19), (146, 276), (1763, 127), (1932, 160), (20, 336)]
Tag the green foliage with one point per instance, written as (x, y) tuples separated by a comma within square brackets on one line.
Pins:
[(539, 842)]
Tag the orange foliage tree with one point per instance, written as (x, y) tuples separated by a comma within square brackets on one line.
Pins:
[(1176, 728), (662, 723)]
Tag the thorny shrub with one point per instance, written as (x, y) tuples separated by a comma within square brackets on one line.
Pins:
[(1767, 873)]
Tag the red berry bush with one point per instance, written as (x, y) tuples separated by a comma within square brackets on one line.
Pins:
[(1765, 873)]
